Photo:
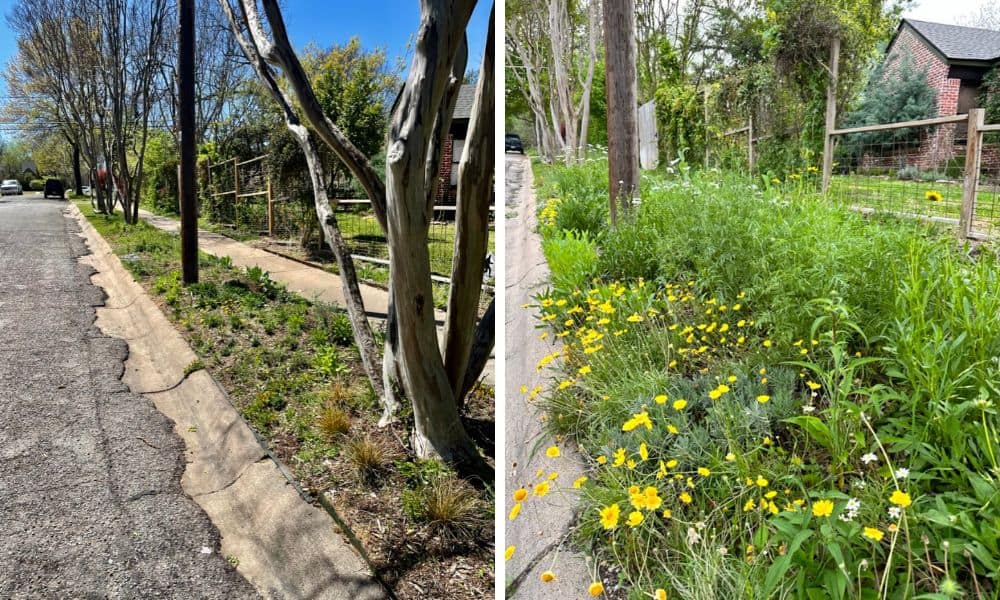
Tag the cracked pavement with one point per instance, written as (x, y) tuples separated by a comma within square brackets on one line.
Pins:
[(542, 533), (90, 499)]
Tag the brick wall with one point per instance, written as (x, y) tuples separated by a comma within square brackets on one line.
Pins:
[(444, 192), (909, 43), (938, 146)]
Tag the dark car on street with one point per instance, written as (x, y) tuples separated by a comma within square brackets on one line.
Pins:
[(512, 143), (54, 187)]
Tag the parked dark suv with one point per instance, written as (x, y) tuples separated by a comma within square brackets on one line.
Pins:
[(512, 143), (54, 187)]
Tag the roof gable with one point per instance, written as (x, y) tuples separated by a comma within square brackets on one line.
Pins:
[(463, 104), (957, 43)]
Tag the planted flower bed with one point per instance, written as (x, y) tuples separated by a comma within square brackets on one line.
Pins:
[(776, 396)]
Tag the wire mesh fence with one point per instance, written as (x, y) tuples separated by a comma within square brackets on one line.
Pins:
[(367, 241), (986, 208), (241, 198), (910, 171), (915, 169)]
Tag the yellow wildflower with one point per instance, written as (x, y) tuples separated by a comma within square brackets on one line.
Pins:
[(638, 419), (822, 508), (900, 498), (609, 516), (635, 518)]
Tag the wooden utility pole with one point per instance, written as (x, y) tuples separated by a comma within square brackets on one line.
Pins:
[(831, 113), (973, 158), (707, 140), (185, 114), (623, 131)]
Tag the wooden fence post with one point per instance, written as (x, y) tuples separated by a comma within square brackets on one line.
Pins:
[(236, 180), (750, 142), (831, 113), (270, 210), (707, 142), (973, 156)]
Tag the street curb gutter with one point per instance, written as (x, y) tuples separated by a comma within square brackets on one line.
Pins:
[(285, 546)]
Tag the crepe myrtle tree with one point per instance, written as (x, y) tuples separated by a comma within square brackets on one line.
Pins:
[(415, 368)]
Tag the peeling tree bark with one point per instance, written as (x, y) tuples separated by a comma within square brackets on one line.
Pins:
[(475, 182), (413, 369), (423, 380)]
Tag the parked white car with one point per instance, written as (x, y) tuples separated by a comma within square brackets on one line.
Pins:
[(10, 186)]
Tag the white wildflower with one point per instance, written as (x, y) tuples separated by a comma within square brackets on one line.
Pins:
[(902, 473), (693, 537), (895, 512), (869, 458)]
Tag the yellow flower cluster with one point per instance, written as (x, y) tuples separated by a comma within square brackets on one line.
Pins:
[(547, 216), (698, 328)]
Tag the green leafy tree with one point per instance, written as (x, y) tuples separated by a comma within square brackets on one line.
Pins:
[(897, 91), (990, 97)]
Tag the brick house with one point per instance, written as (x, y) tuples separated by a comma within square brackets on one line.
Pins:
[(956, 59), (451, 153)]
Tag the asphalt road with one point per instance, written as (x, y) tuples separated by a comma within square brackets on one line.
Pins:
[(90, 497)]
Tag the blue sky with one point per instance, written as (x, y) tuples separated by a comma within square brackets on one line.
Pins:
[(387, 24)]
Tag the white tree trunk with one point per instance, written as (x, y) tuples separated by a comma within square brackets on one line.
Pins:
[(413, 368)]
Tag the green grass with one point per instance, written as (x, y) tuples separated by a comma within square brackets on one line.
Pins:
[(362, 231), (909, 198), (796, 336)]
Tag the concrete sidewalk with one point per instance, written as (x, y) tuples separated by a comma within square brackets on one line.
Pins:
[(542, 531), (310, 281)]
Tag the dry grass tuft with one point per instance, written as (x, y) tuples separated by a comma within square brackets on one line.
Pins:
[(368, 457), (448, 505), (333, 421)]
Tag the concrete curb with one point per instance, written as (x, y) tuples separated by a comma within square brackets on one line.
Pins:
[(286, 547)]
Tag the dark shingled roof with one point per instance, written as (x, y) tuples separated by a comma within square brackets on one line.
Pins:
[(960, 43), (463, 105)]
